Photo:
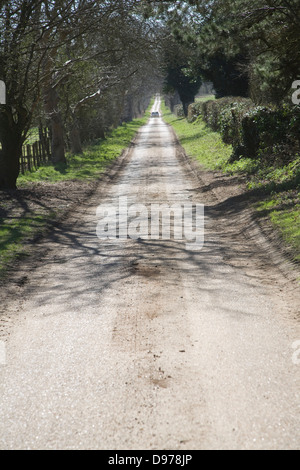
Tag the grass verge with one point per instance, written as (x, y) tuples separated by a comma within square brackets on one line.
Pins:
[(199, 142), (92, 162), (277, 188)]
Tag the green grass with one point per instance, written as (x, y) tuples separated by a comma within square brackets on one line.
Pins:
[(284, 212), (205, 98), (198, 141), (92, 162), (277, 188)]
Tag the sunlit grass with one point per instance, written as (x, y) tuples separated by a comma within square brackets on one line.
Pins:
[(284, 212), (198, 141), (200, 99), (92, 162)]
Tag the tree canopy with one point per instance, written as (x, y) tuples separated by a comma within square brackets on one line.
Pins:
[(83, 66)]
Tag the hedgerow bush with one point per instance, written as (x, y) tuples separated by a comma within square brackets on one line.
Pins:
[(178, 110), (272, 134), (194, 111), (258, 132)]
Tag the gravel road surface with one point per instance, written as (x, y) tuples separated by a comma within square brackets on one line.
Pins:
[(145, 344)]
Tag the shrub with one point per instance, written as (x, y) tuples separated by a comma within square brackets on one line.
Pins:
[(265, 132), (194, 111), (272, 134), (178, 110)]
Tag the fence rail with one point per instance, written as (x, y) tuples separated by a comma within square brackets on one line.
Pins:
[(37, 153)]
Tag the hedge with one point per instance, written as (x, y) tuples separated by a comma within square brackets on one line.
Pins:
[(264, 132), (178, 110)]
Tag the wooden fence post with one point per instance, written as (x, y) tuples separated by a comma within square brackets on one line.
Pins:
[(39, 152), (28, 147)]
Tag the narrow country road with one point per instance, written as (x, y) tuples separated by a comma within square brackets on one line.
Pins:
[(145, 344)]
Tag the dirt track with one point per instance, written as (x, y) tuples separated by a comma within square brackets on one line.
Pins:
[(143, 344)]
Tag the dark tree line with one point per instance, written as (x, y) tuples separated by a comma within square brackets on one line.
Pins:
[(245, 48)]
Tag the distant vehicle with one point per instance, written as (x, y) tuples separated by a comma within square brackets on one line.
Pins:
[(155, 114)]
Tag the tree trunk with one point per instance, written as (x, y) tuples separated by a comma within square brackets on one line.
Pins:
[(57, 131), (185, 105), (101, 133), (11, 141), (76, 147), (9, 164)]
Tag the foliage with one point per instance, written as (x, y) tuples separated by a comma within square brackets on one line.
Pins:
[(178, 110), (69, 65), (181, 74), (245, 48), (266, 132)]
